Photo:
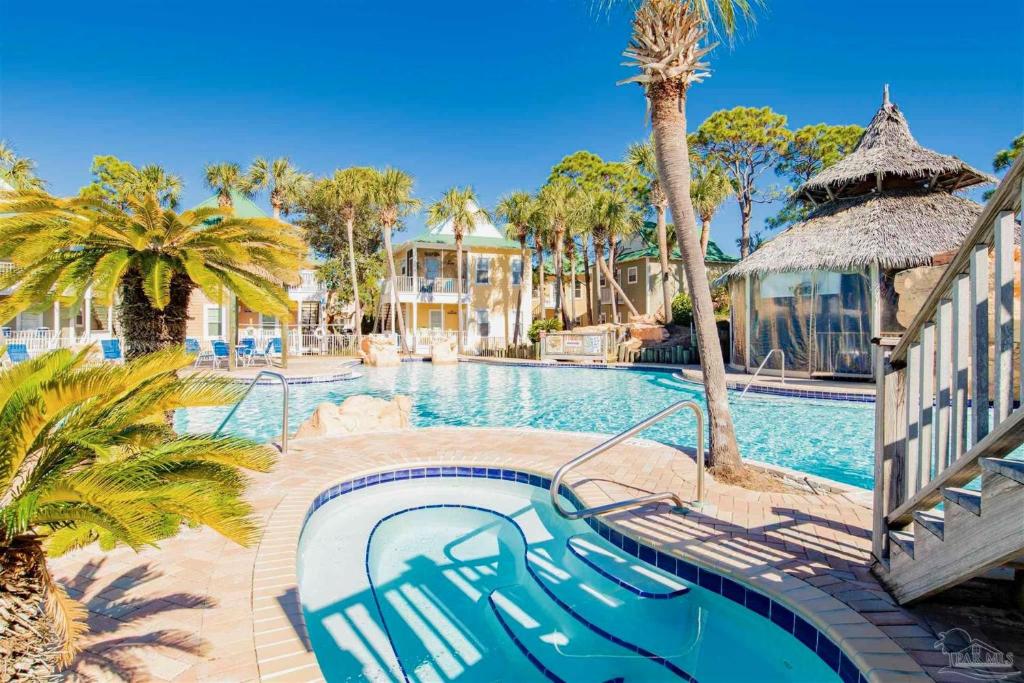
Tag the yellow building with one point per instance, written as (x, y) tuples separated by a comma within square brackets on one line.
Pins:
[(492, 285)]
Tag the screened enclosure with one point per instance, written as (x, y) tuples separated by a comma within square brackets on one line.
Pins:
[(820, 320)]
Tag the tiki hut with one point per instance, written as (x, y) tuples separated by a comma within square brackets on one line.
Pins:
[(820, 290)]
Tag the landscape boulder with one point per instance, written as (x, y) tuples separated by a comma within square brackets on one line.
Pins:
[(357, 415), (380, 351), (444, 352)]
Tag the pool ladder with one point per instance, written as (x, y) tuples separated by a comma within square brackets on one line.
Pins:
[(284, 405), (761, 367), (678, 503)]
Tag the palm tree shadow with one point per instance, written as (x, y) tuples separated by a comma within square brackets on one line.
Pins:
[(113, 611)]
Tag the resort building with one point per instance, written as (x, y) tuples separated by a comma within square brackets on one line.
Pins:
[(637, 269), (427, 291), (817, 293)]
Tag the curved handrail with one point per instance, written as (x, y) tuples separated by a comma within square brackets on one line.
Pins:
[(761, 367), (284, 405), (556, 482)]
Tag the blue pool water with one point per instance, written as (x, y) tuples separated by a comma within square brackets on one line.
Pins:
[(832, 439), (479, 580)]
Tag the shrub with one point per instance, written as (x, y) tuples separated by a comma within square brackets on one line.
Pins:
[(543, 325), (682, 309)]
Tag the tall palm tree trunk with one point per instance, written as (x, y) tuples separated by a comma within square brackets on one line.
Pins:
[(525, 280), (587, 283), (559, 298), (349, 229), (393, 275), (705, 236), (668, 116), (458, 289), (666, 298), (616, 288), (145, 328), (541, 279), (571, 253), (611, 287)]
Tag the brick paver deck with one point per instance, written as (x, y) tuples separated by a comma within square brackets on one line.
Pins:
[(201, 608)]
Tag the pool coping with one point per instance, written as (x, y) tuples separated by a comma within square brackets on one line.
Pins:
[(874, 654)]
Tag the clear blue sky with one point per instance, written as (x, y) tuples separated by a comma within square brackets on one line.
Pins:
[(486, 93)]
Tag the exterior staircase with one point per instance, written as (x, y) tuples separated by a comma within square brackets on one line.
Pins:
[(948, 503)]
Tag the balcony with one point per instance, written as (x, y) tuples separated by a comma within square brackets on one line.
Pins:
[(6, 268), (439, 289)]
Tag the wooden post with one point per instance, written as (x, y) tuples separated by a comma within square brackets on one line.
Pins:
[(925, 443), (979, 341), (232, 331), (961, 347), (1002, 241), (944, 392), (890, 440), (913, 419)]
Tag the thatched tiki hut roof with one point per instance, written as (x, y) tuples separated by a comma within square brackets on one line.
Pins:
[(890, 202)]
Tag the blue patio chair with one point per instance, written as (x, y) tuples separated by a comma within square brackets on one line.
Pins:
[(17, 352), (112, 350), (220, 353), (246, 350), (192, 346), (6, 331)]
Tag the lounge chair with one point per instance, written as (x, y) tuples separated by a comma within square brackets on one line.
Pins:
[(246, 350), (220, 353), (112, 350), (202, 355), (17, 352)]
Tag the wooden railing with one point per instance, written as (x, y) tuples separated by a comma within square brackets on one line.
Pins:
[(946, 388)]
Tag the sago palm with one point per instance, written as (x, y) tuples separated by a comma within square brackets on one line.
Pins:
[(642, 158), (460, 207), (284, 183), (151, 256), (710, 187), (225, 178), (559, 202), (519, 211), (668, 46), (86, 458), (392, 201)]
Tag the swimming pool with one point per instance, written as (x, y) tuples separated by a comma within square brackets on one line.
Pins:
[(832, 439), (427, 575)]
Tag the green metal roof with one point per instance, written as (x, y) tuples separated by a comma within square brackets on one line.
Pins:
[(244, 207), (468, 241), (715, 255)]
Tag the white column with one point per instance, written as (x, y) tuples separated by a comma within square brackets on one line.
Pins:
[(88, 312), (110, 320), (415, 297)]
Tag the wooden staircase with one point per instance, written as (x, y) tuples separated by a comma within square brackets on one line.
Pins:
[(948, 505)]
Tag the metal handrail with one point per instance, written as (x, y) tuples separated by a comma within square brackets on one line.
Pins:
[(556, 482), (284, 405), (761, 366)]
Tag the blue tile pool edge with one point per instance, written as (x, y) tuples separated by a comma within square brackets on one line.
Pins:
[(780, 615)]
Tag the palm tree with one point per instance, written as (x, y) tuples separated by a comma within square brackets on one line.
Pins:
[(458, 206), (19, 172), (642, 158), (612, 215), (392, 200), (709, 189), (154, 179), (88, 459), (225, 178), (285, 182), (519, 211), (349, 192), (667, 46), (540, 236), (153, 256), (558, 204)]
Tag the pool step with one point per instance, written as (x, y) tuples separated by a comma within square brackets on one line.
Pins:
[(628, 572), (554, 641)]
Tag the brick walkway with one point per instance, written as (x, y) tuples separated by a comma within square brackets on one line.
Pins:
[(200, 608)]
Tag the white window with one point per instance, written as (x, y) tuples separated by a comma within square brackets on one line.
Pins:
[(436, 319), (517, 270), (483, 270), (268, 322), (214, 324), (631, 277), (483, 322), (579, 290)]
